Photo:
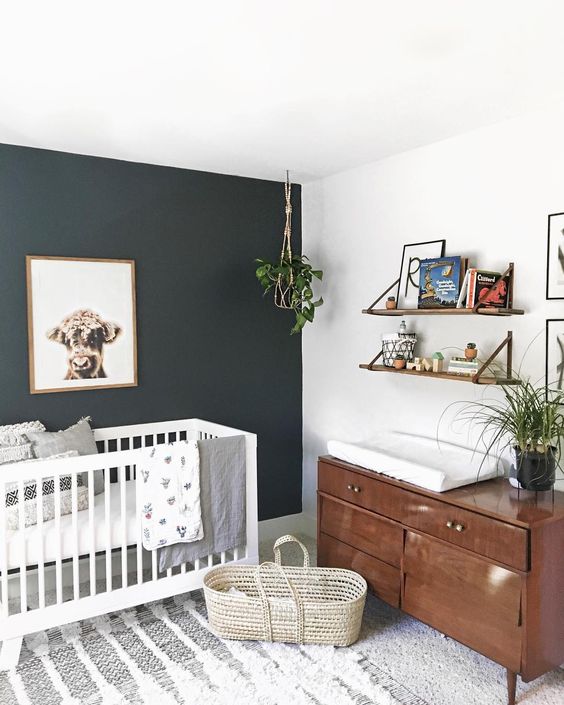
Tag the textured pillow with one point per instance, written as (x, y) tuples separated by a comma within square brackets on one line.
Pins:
[(78, 437), (14, 443), (12, 498), (14, 454), (16, 434)]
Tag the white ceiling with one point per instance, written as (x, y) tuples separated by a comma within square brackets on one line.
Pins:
[(253, 87)]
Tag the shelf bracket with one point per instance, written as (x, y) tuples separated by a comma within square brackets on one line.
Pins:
[(508, 344), (396, 283), (371, 363)]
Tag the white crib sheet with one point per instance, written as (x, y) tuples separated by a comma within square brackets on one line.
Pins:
[(50, 535)]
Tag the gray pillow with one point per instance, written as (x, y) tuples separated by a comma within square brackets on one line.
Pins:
[(14, 444), (78, 437)]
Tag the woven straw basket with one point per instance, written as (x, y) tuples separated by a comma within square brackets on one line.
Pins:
[(293, 605)]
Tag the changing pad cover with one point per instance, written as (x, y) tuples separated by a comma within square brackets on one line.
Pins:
[(436, 466)]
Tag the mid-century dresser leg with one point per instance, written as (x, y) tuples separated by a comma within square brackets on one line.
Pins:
[(511, 687)]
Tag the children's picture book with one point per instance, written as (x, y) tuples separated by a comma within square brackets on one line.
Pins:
[(439, 282), (487, 288)]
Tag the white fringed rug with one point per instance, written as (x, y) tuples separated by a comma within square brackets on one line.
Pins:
[(165, 653)]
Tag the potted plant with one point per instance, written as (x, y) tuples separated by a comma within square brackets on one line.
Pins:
[(399, 361), (291, 278), (529, 420)]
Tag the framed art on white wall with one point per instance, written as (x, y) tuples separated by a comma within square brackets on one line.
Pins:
[(555, 354), (555, 257), (413, 253), (81, 323)]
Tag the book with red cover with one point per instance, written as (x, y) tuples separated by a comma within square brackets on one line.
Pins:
[(490, 289)]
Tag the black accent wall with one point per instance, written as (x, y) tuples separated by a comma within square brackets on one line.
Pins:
[(209, 345)]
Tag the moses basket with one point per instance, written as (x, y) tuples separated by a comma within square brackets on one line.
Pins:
[(271, 602)]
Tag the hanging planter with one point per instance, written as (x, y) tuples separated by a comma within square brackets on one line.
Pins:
[(291, 277)]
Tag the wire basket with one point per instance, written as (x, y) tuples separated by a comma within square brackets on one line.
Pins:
[(398, 344)]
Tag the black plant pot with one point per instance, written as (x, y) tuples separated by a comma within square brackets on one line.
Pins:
[(536, 471)]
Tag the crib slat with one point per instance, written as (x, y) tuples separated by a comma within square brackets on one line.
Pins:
[(140, 525), (210, 560), (74, 511), (154, 570), (23, 566), (182, 568), (197, 564), (41, 556), (108, 527), (123, 519), (223, 556), (4, 552), (58, 562), (91, 533), (235, 554)]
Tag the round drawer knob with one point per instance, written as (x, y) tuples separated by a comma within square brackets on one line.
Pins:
[(450, 524), (356, 488), (460, 527), (350, 487)]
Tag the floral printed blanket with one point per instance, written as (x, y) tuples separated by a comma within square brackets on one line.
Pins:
[(170, 494)]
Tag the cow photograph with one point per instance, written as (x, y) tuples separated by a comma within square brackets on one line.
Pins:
[(82, 323)]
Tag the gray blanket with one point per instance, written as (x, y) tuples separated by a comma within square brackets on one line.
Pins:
[(222, 498)]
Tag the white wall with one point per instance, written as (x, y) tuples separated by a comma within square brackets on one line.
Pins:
[(488, 193)]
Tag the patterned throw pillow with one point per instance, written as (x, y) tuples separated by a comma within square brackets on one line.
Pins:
[(14, 443), (15, 434), (12, 498)]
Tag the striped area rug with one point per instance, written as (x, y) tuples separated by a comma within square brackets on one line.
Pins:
[(165, 653)]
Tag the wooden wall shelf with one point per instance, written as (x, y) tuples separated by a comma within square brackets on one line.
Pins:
[(444, 311), (482, 376), (441, 375)]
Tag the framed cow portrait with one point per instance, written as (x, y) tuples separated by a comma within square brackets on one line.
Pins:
[(81, 323)]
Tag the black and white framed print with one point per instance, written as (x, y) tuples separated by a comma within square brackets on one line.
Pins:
[(81, 323), (555, 257), (413, 253), (555, 354)]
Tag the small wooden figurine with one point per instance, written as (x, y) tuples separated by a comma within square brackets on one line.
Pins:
[(414, 365), (391, 302), (438, 361), (426, 364)]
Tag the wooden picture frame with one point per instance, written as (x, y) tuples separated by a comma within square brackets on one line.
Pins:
[(555, 257), (554, 360), (408, 288), (88, 307)]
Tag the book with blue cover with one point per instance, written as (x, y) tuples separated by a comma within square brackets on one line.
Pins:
[(439, 282)]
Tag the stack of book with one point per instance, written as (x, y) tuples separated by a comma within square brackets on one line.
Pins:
[(462, 366)]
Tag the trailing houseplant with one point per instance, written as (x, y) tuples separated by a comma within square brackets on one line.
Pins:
[(529, 420), (291, 276)]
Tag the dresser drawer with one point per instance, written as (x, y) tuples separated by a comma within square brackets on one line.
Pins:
[(488, 537), (361, 529), (464, 596), (382, 578), (367, 492)]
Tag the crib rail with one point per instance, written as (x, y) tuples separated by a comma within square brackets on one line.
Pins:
[(86, 562)]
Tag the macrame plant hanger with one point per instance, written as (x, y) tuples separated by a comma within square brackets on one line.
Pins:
[(283, 289)]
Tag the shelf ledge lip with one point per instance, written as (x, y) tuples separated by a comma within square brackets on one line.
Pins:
[(440, 375), (443, 312)]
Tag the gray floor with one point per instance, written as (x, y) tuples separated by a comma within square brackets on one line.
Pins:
[(436, 668)]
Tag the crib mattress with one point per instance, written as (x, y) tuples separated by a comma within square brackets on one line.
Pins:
[(66, 537)]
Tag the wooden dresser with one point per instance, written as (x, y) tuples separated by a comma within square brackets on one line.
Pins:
[(480, 563)]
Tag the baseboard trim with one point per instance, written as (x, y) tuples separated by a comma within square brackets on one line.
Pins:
[(271, 529)]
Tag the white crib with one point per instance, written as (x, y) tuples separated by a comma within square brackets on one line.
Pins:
[(91, 562)]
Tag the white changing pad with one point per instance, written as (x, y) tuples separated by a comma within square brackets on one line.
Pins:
[(421, 461), (50, 536)]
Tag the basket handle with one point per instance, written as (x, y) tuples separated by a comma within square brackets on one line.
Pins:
[(267, 618), (289, 539)]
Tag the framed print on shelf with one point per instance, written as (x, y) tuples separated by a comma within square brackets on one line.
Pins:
[(81, 323), (554, 370), (408, 287), (555, 257)]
